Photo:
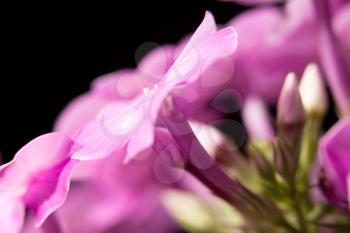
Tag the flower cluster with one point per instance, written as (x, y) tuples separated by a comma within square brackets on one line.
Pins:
[(142, 150)]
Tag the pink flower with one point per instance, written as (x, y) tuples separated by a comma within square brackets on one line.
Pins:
[(272, 43), (130, 124), (275, 41), (37, 178)]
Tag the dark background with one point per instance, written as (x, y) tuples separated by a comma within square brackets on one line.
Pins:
[(51, 52)]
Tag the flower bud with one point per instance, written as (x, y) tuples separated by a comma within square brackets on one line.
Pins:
[(312, 91), (290, 110)]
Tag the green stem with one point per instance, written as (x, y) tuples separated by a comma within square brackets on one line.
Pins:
[(298, 209)]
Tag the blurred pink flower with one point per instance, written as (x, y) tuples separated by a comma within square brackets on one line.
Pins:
[(37, 178), (275, 41), (272, 43)]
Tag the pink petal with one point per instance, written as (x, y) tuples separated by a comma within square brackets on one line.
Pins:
[(111, 130), (207, 27), (123, 84), (268, 40), (155, 64), (79, 113), (11, 215), (40, 154), (48, 190), (257, 119), (341, 26), (334, 151), (39, 173), (349, 189), (90, 209), (95, 143)]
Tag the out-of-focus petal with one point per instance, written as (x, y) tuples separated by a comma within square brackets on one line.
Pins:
[(122, 197), (341, 27), (334, 157), (123, 84), (112, 129), (40, 154), (335, 153), (269, 40), (38, 177), (155, 64), (334, 61), (349, 189), (79, 113), (257, 120), (48, 190), (341, 22), (11, 214)]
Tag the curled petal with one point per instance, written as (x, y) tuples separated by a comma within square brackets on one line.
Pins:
[(48, 190), (38, 178)]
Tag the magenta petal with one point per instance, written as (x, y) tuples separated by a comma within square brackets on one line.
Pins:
[(341, 23), (39, 174), (349, 190), (341, 27), (334, 154), (48, 190), (334, 157), (40, 154), (11, 215)]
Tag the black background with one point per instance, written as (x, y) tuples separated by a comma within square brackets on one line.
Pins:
[(51, 52)]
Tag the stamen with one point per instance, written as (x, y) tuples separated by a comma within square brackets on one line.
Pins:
[(146, 91)]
